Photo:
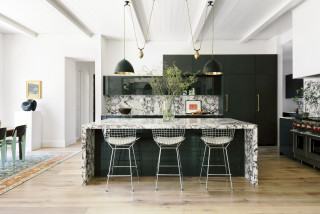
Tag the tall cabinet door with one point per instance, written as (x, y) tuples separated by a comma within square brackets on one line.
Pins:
[(239, 100), (266, 95)]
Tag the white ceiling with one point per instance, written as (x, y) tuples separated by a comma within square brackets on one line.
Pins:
[(233, 18)]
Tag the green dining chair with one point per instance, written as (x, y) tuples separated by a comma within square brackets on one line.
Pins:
[(20, 132), (3, 132)]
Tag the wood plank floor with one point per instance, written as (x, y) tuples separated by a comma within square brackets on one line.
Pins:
[(285, 186)]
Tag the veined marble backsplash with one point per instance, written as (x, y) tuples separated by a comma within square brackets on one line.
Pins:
[(152, 104), (314, 111)]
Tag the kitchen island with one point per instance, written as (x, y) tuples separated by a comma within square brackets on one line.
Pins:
[(90, 142)]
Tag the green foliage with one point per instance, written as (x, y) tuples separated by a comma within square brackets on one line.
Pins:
[(172, 82)]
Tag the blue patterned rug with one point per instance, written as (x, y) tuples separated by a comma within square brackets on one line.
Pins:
[(35, 163)]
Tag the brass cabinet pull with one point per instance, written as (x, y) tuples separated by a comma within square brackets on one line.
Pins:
[(227, 102), (258, 95)]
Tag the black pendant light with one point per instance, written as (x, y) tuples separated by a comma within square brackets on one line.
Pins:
[(124, 66), (212, 67)]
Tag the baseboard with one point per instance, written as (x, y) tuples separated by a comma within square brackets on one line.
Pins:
[(71, 141), (53, 143)]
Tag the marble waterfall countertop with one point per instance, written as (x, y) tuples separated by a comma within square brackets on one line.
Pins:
[(250, 138)]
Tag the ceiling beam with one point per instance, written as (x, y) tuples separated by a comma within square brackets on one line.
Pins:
[(137, 24), (200, 20), (17, 26), (285, 7), (60, 7)]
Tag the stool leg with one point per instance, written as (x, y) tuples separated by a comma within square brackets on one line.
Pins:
[(113, 158), (109, 170), (229, 169), (225, 162), (3, 155), (135, 162), (208, 168), (204, 154), (130, 169), (179, 163), (157, 175), (178, 160)]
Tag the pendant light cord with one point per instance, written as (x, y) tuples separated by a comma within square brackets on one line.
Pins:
[(204, 22), (134, 28), (124, 31), (212, 30)]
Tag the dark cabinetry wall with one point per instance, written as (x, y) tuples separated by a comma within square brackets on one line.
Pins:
[(250, 93)]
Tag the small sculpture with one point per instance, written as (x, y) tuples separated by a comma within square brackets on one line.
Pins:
[(29, 105)]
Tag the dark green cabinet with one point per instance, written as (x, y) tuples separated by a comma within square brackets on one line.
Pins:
[(183, 62), (266, 113), (266, 64), (240, 64), (286, 138), (239, 97), (122, 85)]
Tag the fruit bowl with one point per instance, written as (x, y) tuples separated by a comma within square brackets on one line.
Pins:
[(125, 110)]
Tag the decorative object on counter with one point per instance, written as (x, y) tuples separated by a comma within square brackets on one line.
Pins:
[(170, 85), (29, 105), (34, 89), (309, 96), (125, 110), (193, 106)]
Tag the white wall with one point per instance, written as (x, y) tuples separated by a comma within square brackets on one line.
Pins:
[(112, 52), (70, 101), (43, 59), (1, 80), (85, 71), (306, 42), (287, 104)]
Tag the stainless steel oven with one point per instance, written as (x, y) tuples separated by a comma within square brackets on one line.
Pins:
[(313, 151), (299, 145)]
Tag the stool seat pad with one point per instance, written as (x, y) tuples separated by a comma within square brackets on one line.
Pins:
[(121, 140), (217, 140), (169, 140)]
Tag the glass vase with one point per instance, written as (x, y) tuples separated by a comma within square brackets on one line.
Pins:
[(168, 109)]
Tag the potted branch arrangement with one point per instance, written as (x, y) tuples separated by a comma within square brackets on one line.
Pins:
[(171, 84), (307, 97)]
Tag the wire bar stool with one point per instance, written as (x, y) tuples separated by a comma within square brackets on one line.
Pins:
[(168, 139), (121, 139), (217, 139)]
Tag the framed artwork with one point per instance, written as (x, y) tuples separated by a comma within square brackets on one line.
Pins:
[(193, 106), (34, 89)]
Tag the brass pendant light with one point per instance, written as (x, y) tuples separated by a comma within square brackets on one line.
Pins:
[(141, 54), (124, 66), (212, 67), (197, 54)]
